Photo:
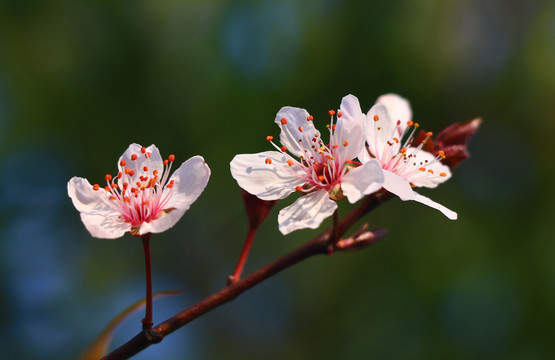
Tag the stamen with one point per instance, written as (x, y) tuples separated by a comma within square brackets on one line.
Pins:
[(108, 177), (310, 118), (143, 150), (283, 121), (443, 174), (339, 114), (376, 118), (345, 143), (171, 158), (268, 161), (122, 163), (300, 129), (269, 138), (290, 162), (299, 188), (283, 149), (134, 157), (331, 112), (96, 187)]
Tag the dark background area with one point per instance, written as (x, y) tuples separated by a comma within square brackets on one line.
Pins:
[(81, 80)]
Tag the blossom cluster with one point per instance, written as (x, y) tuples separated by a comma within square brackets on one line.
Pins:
[(365, 153), (360, 154)]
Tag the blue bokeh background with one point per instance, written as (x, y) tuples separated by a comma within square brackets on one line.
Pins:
[(80, 80)]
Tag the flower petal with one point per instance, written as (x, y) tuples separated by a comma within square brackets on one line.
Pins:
[(152, 161), (307, 212), (105, 227), (362, 181), (350, 128), (379, 130), (435, 173), (398, 109), (295, 140), (398, 186), (427, 201), (267, 181), (99, 218), (190, 179)]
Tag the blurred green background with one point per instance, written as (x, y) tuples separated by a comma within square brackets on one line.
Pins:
[(81, 80)]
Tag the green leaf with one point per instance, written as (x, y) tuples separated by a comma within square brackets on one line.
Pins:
[(99, 347)]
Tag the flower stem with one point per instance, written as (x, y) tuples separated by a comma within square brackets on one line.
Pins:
[(243, 257), (147, 321)]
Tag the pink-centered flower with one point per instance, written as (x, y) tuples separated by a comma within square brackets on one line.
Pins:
[(142, 198), (389, 134), (322, 172)]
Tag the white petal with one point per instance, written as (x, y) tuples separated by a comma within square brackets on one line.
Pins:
[(190, 179), (267, 181), (163, 223), (87, 200), (290, 132), (378, 132), (362, 181), (398, 186), (99, 218), (350, 128), (152, 162), (102, 227), (425, 178), (398, 109), (426, 201), (307, 212)]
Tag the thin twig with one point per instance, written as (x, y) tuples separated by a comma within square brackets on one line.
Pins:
[(318, 245)]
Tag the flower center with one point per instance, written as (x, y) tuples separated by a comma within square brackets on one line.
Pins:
[(139, 192), (322, 166), (404, 160)]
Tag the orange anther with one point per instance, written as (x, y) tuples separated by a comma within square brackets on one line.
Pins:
[(96, 187), (143, 150), (443, 174), (112, 197), (122, 163), (268, 161), (379, 128), (127, 171), (429, 133), (108, 177), (283, 121), (145, 168), (155, 172), (171, 158), (269, 138), (166, 162), (441, 153), (147, 155), (300, 129), (328, 126), (333, 127), (430, 171), (126, 199), (403, 150), (339, 114), (310, 118), (283, 148), (410, 123), (321, 178), (331, 112), (396, 140), (422, 169), (115, 186), (376, 118), (345, 143), (125, 186), (290, 162), (120, 175), (107, 188), (138, 184), (416, 125), (134, 157), (299, 188), (335, 146), (145, 202)]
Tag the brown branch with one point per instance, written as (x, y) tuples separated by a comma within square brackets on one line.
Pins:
[(318, 245)]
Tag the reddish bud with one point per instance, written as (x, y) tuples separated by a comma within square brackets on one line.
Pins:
[(453, 139), (257, 210)]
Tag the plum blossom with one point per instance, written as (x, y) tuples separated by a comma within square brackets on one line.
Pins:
[(141, 198), (322, 173), (404, 166)]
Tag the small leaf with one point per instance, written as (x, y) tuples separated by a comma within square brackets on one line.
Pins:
[(99, 347)]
